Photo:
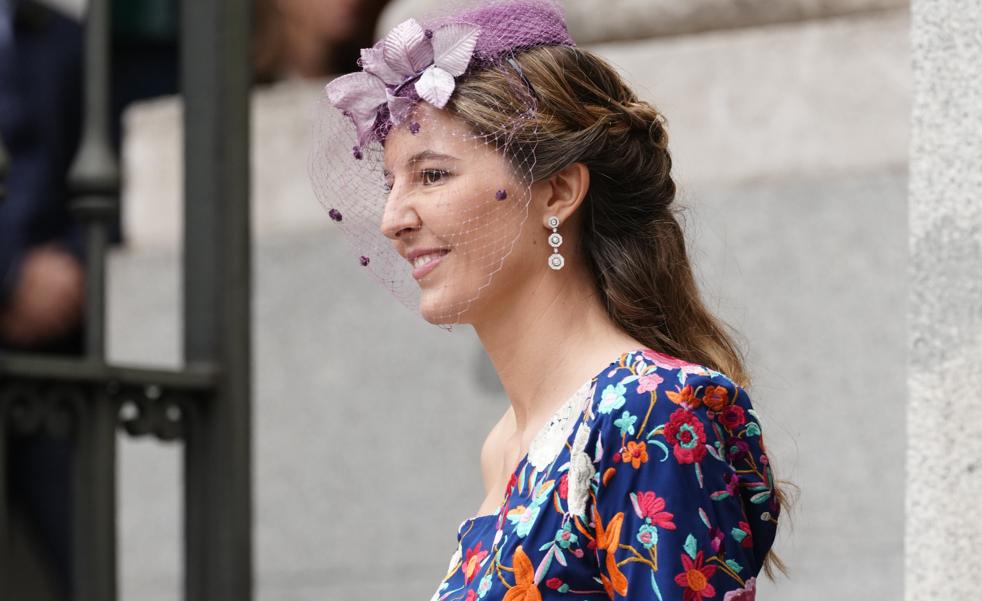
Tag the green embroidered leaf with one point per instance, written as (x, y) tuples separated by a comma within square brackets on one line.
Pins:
[(719, 495), (662, 446), (738, 534), (690, 546), (753, 429), (704, 517), (654, 585), (714, 452), (760, 497), (734, 566), (699, 474)]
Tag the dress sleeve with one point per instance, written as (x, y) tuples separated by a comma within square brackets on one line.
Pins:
[(683, 504)]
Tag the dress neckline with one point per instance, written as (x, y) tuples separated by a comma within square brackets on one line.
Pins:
[(524, 460)]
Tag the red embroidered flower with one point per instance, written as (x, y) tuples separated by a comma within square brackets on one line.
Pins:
[(651, 506), (748, 536), (564, 486), (554, 583), (733, 417), (685, 397), (694, 578), (471, 596), (472, 561), (716, 397), (685, 432)]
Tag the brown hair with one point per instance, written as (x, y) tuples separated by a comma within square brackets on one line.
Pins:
[(630, 235)]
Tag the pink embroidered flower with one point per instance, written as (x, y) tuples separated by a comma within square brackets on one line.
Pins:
[(694, 578), (649, 505), (685, 432), (747, 593), (733, 417), (716, 537), (649, 383), (665, 361)]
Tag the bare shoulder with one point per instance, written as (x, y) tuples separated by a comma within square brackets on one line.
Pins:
[(493, 449)]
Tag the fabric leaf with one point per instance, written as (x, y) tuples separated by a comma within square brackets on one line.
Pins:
[(453, 46), (435, 86), (373, 61), (406, 49)]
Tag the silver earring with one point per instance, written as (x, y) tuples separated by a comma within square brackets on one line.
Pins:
[(556, 260)]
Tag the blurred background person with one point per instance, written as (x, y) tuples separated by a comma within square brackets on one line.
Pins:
[(312, 38)]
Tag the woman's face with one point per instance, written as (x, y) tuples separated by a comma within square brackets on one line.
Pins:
[(456, 200)]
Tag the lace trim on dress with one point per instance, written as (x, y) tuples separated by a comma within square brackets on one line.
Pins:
[(547, 444)]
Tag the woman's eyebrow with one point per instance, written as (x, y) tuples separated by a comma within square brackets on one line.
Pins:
[(422, 156), (429, 154)]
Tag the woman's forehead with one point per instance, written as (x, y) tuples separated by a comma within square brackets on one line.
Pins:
[(430, 134)]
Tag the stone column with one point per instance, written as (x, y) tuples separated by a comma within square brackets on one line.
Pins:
[(944, 416)]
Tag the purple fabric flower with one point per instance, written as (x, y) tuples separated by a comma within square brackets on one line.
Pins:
[(404, 55)]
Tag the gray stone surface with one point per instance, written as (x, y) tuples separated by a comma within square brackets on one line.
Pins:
[(944, 453), (593, 21), (803, 100), (369, 421)]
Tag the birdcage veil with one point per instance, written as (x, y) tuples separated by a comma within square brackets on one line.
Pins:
[(398, 170)]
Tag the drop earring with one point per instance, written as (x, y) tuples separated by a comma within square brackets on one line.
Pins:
[(556, 260)]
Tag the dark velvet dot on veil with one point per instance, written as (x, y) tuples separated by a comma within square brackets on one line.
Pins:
[(356, 152), (363, 260), (414, 128), (501, 195), (335, 214)]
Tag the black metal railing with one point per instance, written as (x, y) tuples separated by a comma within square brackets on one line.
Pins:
[(206, 406)]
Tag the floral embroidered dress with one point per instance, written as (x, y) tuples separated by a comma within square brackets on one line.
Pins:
[(650, 482)]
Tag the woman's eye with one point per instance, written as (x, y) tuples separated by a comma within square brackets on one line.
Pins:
[(432, 176)]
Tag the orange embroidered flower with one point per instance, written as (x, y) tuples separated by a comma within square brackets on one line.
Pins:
[(686, 397), (525, 588), (607, 539), (636, 453), (716, 397)]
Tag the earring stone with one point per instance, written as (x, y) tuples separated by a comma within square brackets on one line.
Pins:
[(556, 260)]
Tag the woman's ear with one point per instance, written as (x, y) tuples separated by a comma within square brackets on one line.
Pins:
[(566, 190)]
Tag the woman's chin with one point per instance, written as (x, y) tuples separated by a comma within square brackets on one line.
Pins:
[(440, 309)]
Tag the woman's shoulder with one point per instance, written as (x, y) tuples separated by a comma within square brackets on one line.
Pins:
[(657, 385)]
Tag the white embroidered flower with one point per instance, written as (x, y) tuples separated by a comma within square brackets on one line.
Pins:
[(581, 472)]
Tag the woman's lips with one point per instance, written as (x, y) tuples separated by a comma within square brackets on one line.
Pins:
[(422, 270)]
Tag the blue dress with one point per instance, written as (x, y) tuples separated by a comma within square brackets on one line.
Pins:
[(650, 482)]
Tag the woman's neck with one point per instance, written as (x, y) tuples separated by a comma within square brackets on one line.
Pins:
[(548, 344)]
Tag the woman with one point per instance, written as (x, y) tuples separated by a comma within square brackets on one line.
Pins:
[(529, 189)]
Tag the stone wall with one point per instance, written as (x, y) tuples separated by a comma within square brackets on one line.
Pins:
[(944, 436)]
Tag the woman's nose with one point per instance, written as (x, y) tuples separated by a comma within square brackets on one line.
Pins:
[(398, 217)]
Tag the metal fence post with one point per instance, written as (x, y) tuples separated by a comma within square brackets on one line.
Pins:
[(215, 81)]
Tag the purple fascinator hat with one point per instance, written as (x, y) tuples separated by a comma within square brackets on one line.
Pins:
[(421, 61), (435, 231)]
